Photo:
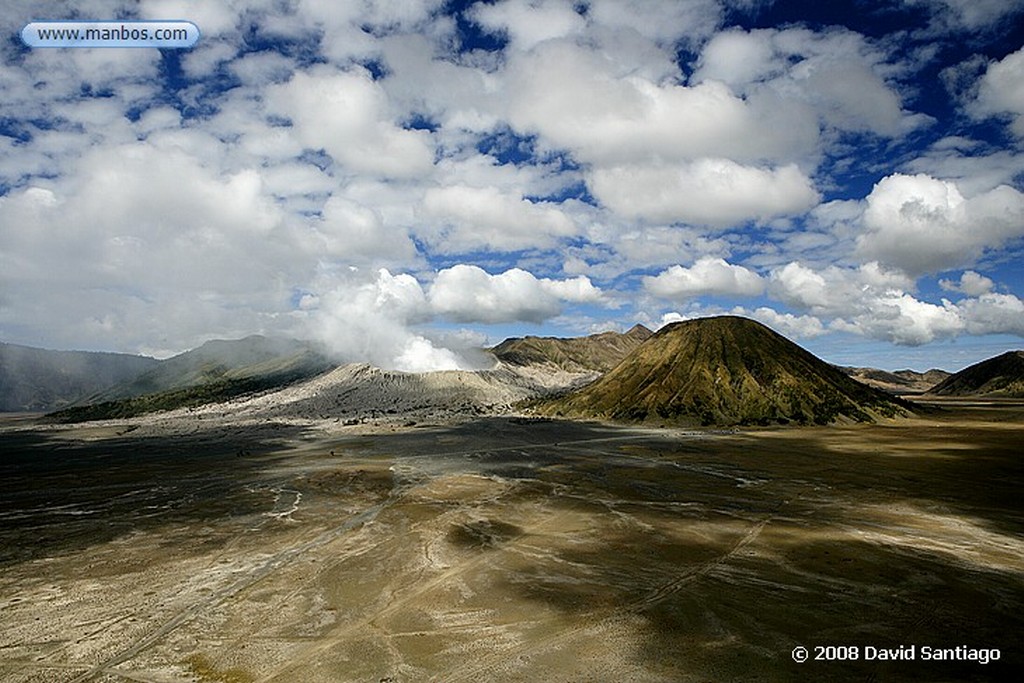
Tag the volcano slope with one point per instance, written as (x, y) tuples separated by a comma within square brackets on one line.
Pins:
[(724, 370), (596, 353), (1001, 376)]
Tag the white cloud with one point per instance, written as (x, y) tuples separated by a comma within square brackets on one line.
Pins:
[(834, 291), (577, 290), (1002, 91), (669, 318), (837, 73), (875, 303), (921, 224), (993, 313), (471, 217), (800, 286), (212, 18), (346, 114), (974, 15), (739, 58), (868, 300), (786, 324), (209, 216), (714, 192), (967, 163), (583, 100), (900, 318), (460, 97), (528, 22), (466, 293), (664, 21), (133, 237), (707, 276), (353, 233), (971, 283)]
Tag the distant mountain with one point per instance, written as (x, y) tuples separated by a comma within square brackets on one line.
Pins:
[(221, 359), (216, 371), (1002, 376), (724, 371), (898, 382), (596, 353), (34, 379)]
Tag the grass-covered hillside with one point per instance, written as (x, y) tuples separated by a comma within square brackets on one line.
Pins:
[(724, 371)]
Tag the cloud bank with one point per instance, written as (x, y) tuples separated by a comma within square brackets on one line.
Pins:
[(391, 176)]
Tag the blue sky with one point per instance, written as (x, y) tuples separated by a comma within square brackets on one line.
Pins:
[(407, 180)]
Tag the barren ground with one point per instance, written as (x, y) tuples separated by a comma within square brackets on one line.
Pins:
[(508, 550)]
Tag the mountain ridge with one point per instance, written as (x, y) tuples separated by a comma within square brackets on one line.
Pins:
[(999, 376), (35, 379), (594, 353), (224, 359), (897, 381)]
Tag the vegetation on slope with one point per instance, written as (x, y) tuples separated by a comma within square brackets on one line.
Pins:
[(217, 360), (899, 381), (40, 379), (216, 371), (1001, 376), (214, 391), (598, 352), (724, 371)]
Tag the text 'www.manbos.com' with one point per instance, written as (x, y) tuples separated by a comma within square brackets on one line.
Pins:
[(160, 34)]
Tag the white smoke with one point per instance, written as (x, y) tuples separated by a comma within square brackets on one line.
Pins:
[(378, 317), (362, 319)]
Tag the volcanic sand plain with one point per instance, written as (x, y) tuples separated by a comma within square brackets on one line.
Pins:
[(508, 549)]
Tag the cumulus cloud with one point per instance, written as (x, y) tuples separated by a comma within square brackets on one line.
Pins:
[(1001, 91), (900, 318), (868, 300), (353, 233), (664, 21), (878, 304), (971, 283), (578, 290), (581, 99), (969, 163), (465, 293), (786, 324), (973, 15), (137, 232), (837, 74), (147, 206), (993, 313), (921, 224), (376, 317), (528, 22), (706, 276), (346, 114), (472, 217), (713, 192), (833, 291)]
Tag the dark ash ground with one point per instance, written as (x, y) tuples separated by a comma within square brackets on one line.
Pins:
[(509, 550)]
